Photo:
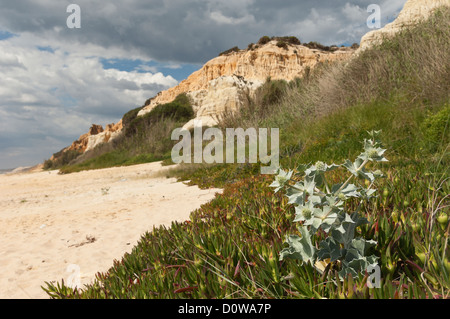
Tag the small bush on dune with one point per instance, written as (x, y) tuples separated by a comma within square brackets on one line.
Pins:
[(282, 44), (178, 110), (288, 40), (130, 116), (61, 159), (283, 41), (226, 52), (437, 127), (263, 40)]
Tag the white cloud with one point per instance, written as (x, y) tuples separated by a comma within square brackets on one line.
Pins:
[(55, 96), (354, 13), (220, 18), (342, 24)]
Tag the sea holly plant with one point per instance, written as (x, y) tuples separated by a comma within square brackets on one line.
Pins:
[(320, 206)]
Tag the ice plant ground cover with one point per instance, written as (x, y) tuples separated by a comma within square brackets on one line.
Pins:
[(230, 247)]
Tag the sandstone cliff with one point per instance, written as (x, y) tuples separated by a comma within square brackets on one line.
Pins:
[(226, 93), (224, 83), (254, 65), (96, 136), (412, 12)]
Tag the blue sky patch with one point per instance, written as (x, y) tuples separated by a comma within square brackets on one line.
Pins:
[(178, 71), (6, 35), (46, 48)]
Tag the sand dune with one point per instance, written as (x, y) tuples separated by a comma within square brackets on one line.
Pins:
[(49, 221)]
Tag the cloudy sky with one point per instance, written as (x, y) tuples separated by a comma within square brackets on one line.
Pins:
[(56, 81)]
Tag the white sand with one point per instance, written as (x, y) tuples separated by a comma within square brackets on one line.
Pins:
[(89, 219)]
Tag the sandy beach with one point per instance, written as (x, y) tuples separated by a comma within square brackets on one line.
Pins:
[(50, 222)]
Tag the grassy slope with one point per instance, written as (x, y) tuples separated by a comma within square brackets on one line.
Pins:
[(146, 139), (230, 246)]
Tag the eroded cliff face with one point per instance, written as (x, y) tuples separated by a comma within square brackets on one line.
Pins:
[(224, 83), (223, 94), (413, 12), (96, 136), (253, 65)]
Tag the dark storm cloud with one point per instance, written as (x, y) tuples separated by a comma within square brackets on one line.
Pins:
[(190, 31)]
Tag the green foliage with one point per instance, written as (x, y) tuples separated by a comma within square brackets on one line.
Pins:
[(288, 39), (130, 116), (145, 139), (117, 157), (263, 40), (272, 92), (61, 159), (317, 46), (436, 126), (178, 110), (226, 52), (282, 44), (229, 249)]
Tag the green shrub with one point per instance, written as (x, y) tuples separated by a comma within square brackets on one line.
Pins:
[(61, 159), (144, 139), (436, 126), (263, 40), (226, 52), (178, 110), (282, 44), (130, 116), (288, 39), (317, 46)]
